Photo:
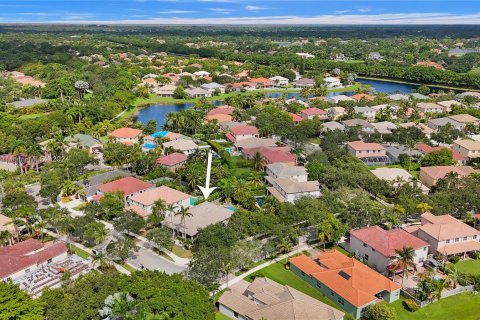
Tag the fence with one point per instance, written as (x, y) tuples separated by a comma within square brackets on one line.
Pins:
[(445, 294)]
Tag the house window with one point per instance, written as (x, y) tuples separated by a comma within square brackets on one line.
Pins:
[(235, 314), (464, 238), (457, 239), (424, 248), (303, 273), (319, 284), (364, 309), (373, 249), (27, 270), (332, 293), (421, 260), (366, 257), (341, 301), (475, 237), (364, 244), (447, 241), (49, 260)]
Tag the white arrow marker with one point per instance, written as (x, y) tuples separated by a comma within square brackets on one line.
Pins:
[(207, 190)]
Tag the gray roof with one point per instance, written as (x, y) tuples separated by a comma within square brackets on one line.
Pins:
[(363, 109), (440, 122), (84, 140), (203, 215), (23, 103), (305, 81), (90, 184), (332, 125), (395, 151), (418, 96), (284, 170), (196, 91), (358, 122), (398, 96), (212, 85)]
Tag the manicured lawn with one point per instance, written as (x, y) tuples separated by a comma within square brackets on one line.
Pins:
[(278, 273), (31, 116), (221, 316), (80, 252), (463, 306), (467, 266), (129, 267), (182, 253)]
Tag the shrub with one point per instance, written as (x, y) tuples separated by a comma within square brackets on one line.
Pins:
[(454, 259), (476, 255), (381, 311), (348, 317), (411, 305)]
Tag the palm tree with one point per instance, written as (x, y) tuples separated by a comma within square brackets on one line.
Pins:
[(285, 246), (399, 210), (392, 220), (184, 213), (100, 259), (424, 207), (158, 213), (35, 152), (5, 237), (171, 210), (453, 276), (405, 260), (255, 178), (257, 161)]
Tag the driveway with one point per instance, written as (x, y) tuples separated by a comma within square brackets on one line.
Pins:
[(33, 190), (152, 261)]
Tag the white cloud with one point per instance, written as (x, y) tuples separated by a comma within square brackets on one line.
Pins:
[(347, 19), (220, 10), (176, 11), (342, 11), (254, 8)]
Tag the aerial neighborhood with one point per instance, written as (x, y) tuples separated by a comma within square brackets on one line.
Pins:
[(149, 174)]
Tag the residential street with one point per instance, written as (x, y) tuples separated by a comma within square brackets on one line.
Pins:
[(153, 261)]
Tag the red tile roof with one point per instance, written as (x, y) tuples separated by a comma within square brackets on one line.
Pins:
[(347, 277), (440, 172), (314, 112), (360, 96), (425, 148), (127, 185), (295, 117), (126, 133), (172, 159), (263, 81), (244, 130), (385, 242), (221, 110), (25, 254), (278, 156)]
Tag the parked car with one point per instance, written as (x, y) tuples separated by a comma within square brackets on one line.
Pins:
[(431, 264)]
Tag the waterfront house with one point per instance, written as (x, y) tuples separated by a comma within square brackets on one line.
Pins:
[(198, 93), (279, 81), (166, 91), (333, 82), (213, 87), (304, 83), (262, 83)]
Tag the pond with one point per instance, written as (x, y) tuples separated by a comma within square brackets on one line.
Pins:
[(158, 112)]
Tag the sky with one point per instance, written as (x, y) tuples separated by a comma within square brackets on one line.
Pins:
[(241, 11)]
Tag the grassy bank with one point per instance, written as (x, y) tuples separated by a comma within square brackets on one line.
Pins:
[(419, 84)]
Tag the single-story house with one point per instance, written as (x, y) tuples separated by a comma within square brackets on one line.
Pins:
[(366, 112), (339, 98), (183, 145), (166, 91), (332, 125), (346, 281), (394, 152), (363, 96), (384, 127), (435, 124), (201, 216), (266, 299), (456, 156), (212, 87), (173, 161), (90, 184), (399, 96), (304, 83), (364, 125), (28, 256), (295, 117), (376, 247), (250, 143), (334, 113), (262, 82), (85, 141), (198, 93), (279, 81)]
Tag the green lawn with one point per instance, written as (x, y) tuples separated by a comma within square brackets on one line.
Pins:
[(463, 306), (278, 273), (31, 116), (182, 253), (221, 316), (467, 266), (129, 267), (80, 252)]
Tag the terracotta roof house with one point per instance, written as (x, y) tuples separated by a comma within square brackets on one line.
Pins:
[(304, 83), (173, 161), (245, 131), (27, 256), (447, 235), (266, 299), (90, 184), (364, 96), (334, 113), (431, 64), (425, 129), (447, 105), (219, 118), (346, 281), (202, 215), (242, 74), (262, 82), (241, 86), (310, 113), (295, 117), (429, 176), (376, 246), (369, 153), (221, 110), (184, 145), (127, 185), (289, 189), (126, 135), (277, 155), (142, 203)]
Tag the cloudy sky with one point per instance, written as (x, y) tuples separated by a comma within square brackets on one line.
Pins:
[(241, 11)]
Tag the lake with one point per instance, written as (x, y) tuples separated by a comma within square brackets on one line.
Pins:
[(158, 112)]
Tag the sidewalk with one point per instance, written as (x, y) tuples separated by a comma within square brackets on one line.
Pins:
[(236, 279)]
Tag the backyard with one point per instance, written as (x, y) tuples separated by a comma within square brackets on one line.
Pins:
[(467, 266), (465, 306)]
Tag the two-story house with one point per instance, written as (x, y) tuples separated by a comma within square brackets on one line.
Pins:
[(369, 153), (242, 132), (310, 113), (470, 149), (143, 203), (128, 136)]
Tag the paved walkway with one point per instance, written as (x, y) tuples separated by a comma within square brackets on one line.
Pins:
[(234, 280)]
